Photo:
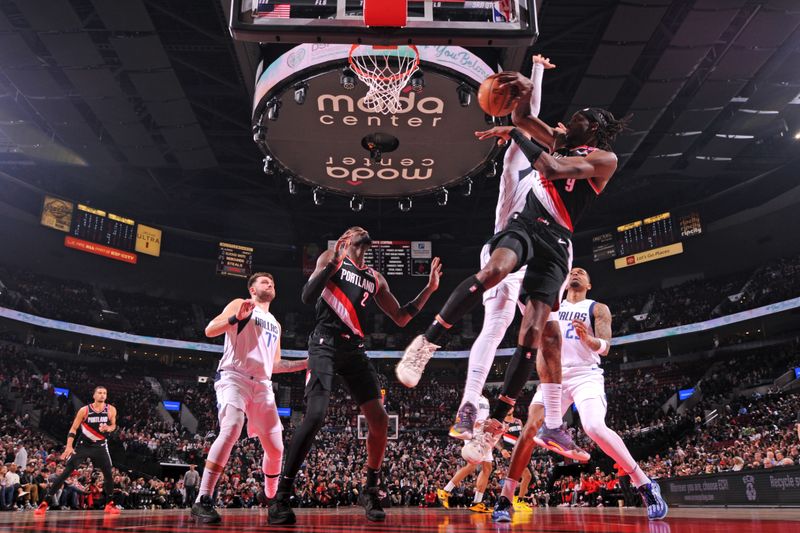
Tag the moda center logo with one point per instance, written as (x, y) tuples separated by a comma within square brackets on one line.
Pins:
[(332, 137)]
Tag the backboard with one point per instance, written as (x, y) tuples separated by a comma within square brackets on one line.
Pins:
[(427, 22)]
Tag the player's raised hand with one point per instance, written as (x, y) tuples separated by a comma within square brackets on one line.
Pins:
[(509, 78), (580, 330), (544, 61), (436, 273), (501, 132), (340, 248), (245, 308)]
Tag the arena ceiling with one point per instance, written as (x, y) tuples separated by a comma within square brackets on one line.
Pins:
[(143, 107)]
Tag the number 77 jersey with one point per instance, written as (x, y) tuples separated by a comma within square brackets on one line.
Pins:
[(573, 351), (343, 303)]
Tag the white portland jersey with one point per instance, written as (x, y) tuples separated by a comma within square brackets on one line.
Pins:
[(516, 182), (250, 346), (573, 351)]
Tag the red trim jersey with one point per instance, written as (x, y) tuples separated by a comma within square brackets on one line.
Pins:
[(566, 201), (344, 300), (90, 427)]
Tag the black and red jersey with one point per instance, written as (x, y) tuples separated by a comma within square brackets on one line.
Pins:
[(90, 427), (343, 303), (564, 200)]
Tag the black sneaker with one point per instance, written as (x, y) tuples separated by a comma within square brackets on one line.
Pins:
[(371, 502), (280, 512), (205, 512)]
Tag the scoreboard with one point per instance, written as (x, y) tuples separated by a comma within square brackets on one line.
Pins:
[(661, 234), (108, 229), (398, 258), (234, 260)]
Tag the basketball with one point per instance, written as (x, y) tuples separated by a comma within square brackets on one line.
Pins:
[(493, 99)]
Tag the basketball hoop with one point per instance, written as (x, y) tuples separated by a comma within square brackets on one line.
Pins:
[(385, 71)]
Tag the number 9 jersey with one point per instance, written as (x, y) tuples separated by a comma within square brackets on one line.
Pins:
[(575, 353)]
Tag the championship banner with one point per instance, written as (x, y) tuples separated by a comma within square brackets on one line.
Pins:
[(57, 213), (772, 487), (148, 240), (649, 255)]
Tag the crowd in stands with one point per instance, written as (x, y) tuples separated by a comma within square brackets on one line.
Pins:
[(752, 432)]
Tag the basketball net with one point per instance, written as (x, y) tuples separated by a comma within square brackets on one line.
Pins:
[(385, 70)]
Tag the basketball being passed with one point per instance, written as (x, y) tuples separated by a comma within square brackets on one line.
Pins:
[(495, 100)]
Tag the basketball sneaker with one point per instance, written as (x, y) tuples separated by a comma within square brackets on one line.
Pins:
[(203, 510), (410, 368), (521, 506), (271, 485), (479, 507), (280, 512), (465, 422), (371, 501), (42, 509), (502, 510), (444, 498), (657, 508), (110, 508), (487, 435), (559, 441)]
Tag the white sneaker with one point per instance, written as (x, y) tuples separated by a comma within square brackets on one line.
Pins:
[(486, 436), (410, 368)]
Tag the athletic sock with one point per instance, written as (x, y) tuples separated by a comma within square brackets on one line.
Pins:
[(509, 487), (478, 497), (551, 395), (639, 478), (285, 486), (466, 296), (449, 487), (208, 482), (372, 477)]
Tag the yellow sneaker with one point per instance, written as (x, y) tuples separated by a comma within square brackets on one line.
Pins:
[(444, 498), (521, 506), (479, 508)]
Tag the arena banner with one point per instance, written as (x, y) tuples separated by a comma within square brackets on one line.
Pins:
[(57, 213), (148, 240), (386, 354), (773, 487), (648, 255)]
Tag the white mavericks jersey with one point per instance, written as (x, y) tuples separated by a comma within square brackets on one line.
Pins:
[(483, 409), (516, 182), (573, 352), (250, 346)]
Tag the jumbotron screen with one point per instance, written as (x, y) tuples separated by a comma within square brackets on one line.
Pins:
[(398, 258)]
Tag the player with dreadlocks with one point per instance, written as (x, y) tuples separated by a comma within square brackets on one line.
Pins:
[(577, 168)]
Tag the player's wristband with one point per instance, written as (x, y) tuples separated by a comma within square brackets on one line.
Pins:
[(232, 320), (73, 435), (529, 149), (603, 346)]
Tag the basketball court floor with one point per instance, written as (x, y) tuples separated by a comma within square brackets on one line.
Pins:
[(415, 520)]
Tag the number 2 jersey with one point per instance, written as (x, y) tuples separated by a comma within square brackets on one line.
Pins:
[(342, 307), (251, 345), (573, 352)]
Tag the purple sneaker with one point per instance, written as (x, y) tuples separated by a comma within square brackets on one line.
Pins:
[(465, 422), (559, 440)]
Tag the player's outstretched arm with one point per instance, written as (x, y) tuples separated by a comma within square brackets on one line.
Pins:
[(328, 263), (234, 312), (598, 166), (391, 307), (600, 342), (282, 366)]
